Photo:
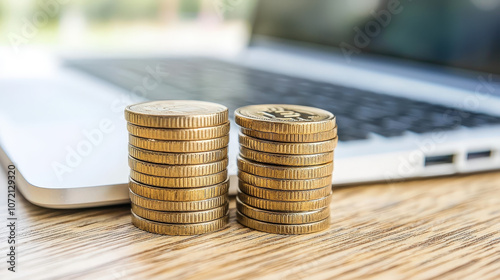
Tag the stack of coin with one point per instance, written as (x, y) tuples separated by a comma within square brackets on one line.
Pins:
[(285, 168), (178, 160)]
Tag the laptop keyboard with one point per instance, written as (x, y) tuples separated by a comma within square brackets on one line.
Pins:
[(360, 113)]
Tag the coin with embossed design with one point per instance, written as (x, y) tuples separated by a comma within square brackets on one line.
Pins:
[(281, 118), (176, 114)]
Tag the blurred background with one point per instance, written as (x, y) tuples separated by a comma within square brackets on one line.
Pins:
[(125, 26), (449, 28)]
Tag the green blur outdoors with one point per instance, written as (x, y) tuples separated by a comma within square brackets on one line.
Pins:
[(132, 25)]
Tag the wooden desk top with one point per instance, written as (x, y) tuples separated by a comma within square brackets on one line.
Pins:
[(434, 228)]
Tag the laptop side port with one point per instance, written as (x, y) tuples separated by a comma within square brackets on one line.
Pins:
[(479, 154), (438, 160)]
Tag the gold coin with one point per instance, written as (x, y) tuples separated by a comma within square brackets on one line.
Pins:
[(177, 158), (284, 172), (281, 228), (284, 119), (283, 217), (177, 170), (179, 229), (288, 206), (176, 114), (201, 133), (284, 195), (179, 146), (297, 138), (175, 206), (179, 194), (287, 148), (284, 184), (289, 160), (181, 217), (180, 182)]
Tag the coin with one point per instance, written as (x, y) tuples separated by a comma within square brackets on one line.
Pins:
[(178, 194), (297, 138), (289, 206), (289, 160), (180, 182), (281, 228), (282, 217), (201, 133), (177, 158), (284, 119), (177, 170), (284, 172), (287, 148), (179, 146), (179, 229), (162, 205), (181, 217), (284, 184), (176, 114), (284, 195)]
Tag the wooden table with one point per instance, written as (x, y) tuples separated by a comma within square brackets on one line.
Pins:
[(434, 228)]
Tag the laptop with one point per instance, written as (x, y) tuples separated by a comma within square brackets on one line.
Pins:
[(414, 86)]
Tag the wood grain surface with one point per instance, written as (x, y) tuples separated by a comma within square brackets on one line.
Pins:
[(443, 228)]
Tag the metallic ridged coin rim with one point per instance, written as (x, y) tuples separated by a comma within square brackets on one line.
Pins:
[(291, 138), (179, 146), (280, 195), (276, 217), (201, 133), (177, 194), (282, 228), (177, 158), (246, 117), (284, 184), (284, 172), (289, 206), (287, 148), (181, 217), (288, 160), (177, 170), (175, 206), (179, 229), (180, 182), (217, 115)]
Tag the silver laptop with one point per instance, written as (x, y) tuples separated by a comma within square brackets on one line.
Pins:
[(414, 85)]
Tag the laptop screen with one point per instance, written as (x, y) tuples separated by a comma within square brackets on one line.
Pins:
[(455, 33)]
